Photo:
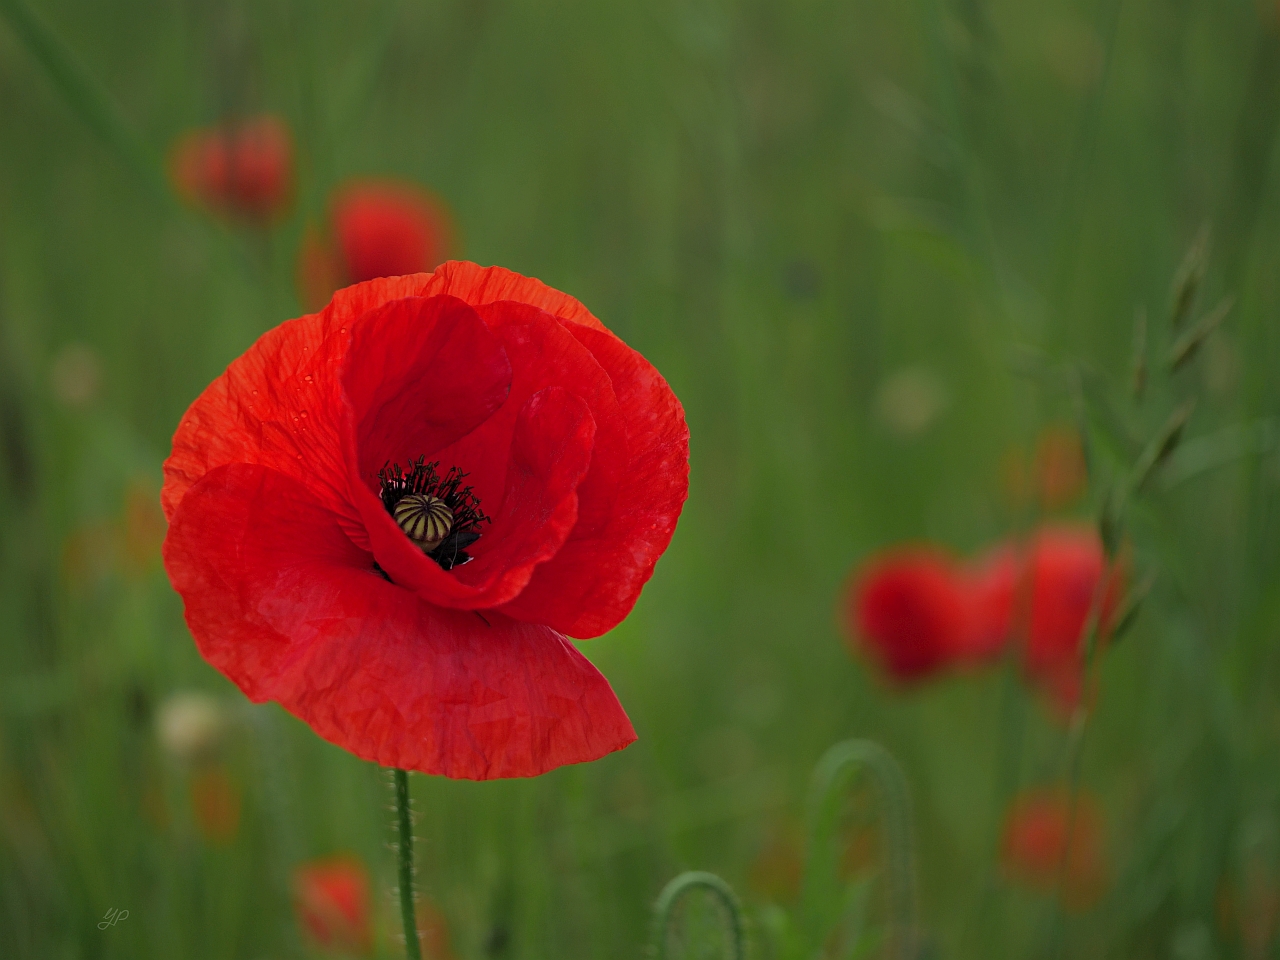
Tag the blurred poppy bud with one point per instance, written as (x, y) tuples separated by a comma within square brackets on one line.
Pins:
[(241, 169), (332, 902), (1034, 850), (377, 228), (191, 726)]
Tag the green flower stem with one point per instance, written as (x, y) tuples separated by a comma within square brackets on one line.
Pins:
[(404, 851)]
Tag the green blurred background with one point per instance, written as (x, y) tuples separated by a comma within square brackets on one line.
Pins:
[(876, 247)]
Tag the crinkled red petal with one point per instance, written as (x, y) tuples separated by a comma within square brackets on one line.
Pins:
[(279, 404), (591, 585), (480, 285), (284, 604)]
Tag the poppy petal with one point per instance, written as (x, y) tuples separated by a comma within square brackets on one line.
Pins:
[(420, 373), (277, 404), (592, 583), (544, 354), (281, 601), (480, 285)]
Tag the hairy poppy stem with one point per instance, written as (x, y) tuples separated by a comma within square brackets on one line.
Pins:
[(404, 855), (832, 775), (676, 890)]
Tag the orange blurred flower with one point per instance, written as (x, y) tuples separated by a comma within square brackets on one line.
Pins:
[(778, 869), (215, 804), (144, 527), (332, 901), (1034, 846), (89, 554), (433, 931), (1059, 468), (240, 169), (377, 228)]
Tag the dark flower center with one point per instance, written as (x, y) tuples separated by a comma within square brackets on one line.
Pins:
[(438, 514)]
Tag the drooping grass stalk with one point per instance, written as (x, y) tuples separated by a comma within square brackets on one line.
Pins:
[(83, 93), (681, 886), (404, 860), (833, 771)]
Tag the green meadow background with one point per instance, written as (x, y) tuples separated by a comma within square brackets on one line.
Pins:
[(876, 247)]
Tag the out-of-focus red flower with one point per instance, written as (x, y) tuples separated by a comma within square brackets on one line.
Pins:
[(215, 804), (378, 228), (1034, 846), (1059, 467), (909, 610), (331, 558), (993, 586), (1066, 565), (332, 901), (241, 169)]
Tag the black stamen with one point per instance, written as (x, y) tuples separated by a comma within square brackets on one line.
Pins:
[(422, 479)]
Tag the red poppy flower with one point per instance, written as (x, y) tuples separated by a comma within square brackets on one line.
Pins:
[(1034, 846), (378, 228), (240, 169), (331, 897), (332, 558), (1065, 566), (910, 611), (993, 588)]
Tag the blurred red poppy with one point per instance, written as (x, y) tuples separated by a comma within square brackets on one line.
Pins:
[(1066, 565), (378, 228), (993, 586), (331, 558), (909, 610), (240, 169), (331, 897), (1034, 846)]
